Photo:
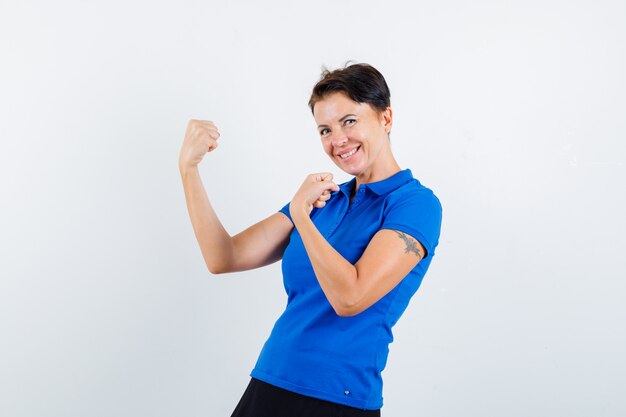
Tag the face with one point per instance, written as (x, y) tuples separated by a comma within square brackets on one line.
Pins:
[(353, 134)]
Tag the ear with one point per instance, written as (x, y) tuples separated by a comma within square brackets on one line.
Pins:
[(387, 119)]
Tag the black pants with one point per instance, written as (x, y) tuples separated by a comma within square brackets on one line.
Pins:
[(265, 400)]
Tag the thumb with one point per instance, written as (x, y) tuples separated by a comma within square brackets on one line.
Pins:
[(328, 185), (324, 176), (333, 186)]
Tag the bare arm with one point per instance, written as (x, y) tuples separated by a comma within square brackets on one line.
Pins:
[(258, 245), (351, 289)]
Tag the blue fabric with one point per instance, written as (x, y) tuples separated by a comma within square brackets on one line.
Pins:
[(313, 351)]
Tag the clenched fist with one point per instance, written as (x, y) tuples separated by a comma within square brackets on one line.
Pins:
[(201, 137), (314, 192)]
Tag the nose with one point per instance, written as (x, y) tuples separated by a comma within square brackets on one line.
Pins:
[(339, 138)]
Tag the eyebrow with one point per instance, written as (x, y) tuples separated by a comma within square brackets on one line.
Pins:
[(341, 120)]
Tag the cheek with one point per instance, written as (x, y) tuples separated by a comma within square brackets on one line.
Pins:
[(359, 133)]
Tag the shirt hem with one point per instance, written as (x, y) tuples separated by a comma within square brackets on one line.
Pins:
[(322, 395)]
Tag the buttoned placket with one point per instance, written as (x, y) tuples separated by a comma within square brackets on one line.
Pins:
[(357, 200), (337, 222)]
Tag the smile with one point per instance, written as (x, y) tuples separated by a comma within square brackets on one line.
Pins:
[(349, 154)]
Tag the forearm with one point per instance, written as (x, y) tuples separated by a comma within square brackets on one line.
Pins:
[(215, 243), (337, 276)]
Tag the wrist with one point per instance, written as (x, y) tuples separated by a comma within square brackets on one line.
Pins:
[(297, 211), (185, 170)]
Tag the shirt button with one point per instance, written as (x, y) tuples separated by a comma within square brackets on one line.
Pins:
[(346, 392), (361, 190)]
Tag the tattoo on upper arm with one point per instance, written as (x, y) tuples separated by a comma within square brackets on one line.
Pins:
[(411, 244)]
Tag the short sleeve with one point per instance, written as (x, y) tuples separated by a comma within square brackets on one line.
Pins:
[(285, 211), (417, 213)]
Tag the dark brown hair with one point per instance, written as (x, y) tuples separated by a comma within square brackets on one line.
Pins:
[(361, 82)]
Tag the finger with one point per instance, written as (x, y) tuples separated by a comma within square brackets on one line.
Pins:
[(199, 125), (211, 129), (206, 123), (203, 125), (330, 186), (322, 176)]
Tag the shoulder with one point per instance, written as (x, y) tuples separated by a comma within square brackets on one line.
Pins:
[(414, 209), (414, 195)]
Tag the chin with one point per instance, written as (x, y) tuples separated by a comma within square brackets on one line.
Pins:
[(354, 171)]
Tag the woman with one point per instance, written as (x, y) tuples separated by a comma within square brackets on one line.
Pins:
[(352, 255)]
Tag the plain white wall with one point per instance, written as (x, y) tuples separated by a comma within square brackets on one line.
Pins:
[(512, 112)]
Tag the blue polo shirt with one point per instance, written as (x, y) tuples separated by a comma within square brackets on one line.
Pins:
[(313, 351)]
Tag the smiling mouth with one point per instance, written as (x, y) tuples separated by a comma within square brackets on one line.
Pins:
[(349, 154)]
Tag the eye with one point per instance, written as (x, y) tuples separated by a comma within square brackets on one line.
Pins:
[(349, 122), (324, 132)]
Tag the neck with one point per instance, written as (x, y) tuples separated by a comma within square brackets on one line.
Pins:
[(380, 172)]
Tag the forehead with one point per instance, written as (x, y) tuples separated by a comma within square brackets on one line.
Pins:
[(336, 105)]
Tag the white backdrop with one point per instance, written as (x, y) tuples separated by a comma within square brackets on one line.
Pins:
[(512, 112)]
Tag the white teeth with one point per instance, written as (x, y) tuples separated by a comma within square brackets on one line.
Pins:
[(352, 152)]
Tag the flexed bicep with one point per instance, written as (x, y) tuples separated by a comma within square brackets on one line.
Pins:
[(388, 258)]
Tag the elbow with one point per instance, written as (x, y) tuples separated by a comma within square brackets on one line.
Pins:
[(349, 302), (347, 308), (218, 263), (217, 268), (214, 271), (344, 313), (347, 312)]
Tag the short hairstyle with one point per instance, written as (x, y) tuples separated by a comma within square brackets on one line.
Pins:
[(361, 82)]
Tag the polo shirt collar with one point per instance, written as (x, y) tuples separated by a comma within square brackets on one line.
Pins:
[(380, 187), (347, 187), (389, 184)]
